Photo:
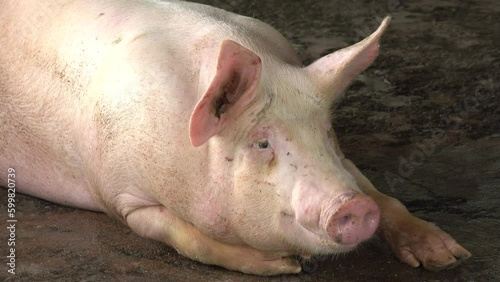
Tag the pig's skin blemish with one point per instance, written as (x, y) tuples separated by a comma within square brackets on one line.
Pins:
[(273, 162), (294, 166), (284, 213), (118, 40), (229, 159), (265, 182), (288, 153), (101, 14)]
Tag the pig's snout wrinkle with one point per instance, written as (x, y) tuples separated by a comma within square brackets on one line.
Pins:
[(354, 221)]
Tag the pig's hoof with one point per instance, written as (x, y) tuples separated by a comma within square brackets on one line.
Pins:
[(285, 265), (416, 242)]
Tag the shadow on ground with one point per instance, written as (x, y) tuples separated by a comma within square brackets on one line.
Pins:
[(422, 123)]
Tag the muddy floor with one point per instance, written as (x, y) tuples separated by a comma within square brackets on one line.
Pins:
[(423, 123)]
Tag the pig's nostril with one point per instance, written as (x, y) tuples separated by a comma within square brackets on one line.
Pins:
[(356, 220), (345, 219)]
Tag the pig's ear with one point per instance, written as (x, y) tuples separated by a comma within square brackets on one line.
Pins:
[(332, 73), (233, 87)]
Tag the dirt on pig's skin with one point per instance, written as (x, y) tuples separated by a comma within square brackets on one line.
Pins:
[(422, 123)]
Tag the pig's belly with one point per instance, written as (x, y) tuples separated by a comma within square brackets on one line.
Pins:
[(45, 171), (62, 189)]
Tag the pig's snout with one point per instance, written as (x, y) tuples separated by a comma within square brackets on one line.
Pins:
[(354, 221)]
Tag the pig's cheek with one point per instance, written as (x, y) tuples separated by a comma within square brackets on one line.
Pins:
[(264, 159)]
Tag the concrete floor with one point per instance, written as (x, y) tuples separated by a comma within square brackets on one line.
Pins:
[(435, 82)]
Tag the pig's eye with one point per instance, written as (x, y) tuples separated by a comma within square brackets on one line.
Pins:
[(264, 144)]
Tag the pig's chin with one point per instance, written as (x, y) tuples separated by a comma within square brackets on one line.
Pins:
[(307, 243), (320, 245)]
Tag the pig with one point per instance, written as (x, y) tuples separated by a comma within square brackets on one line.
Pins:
[(196, 127)]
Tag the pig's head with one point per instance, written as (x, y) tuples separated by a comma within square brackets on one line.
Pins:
[(280, 182)]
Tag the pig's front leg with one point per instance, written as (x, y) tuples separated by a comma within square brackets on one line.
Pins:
[(157, 223), (413, 240)]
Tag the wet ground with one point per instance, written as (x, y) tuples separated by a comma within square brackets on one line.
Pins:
[(423, 123)]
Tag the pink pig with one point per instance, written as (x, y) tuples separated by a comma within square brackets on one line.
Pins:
[(195, 127)]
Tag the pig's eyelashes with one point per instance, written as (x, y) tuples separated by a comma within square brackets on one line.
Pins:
[(263, 144)]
